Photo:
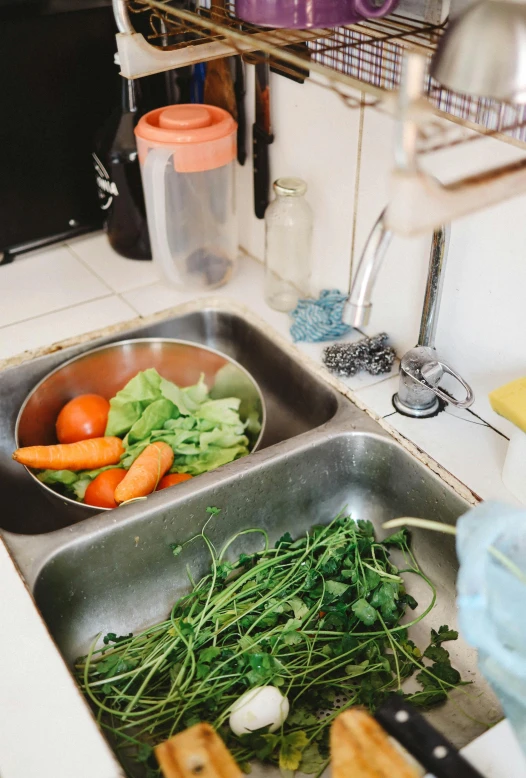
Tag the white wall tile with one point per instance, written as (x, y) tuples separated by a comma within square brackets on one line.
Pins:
[(244, 288), (118, 273), (399, 292), (316, 138), (48, 281), (483, 316), (455, 439), (60, 325)]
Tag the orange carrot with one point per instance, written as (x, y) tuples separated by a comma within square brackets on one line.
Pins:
[(84, 455), (145, 473)]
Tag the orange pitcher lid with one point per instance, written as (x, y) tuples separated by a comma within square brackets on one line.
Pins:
[(187, 126)]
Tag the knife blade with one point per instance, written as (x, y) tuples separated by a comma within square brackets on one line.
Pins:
[(262, 137)]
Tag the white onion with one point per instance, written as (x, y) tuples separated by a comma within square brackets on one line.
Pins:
[(264, 707)]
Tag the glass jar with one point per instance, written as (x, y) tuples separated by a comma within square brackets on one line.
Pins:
[(288, 228)]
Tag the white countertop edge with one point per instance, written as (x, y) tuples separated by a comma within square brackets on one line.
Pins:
[(46, 727)]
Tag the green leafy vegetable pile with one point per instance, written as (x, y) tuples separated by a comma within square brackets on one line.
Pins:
[(319, 617), (204, 433)]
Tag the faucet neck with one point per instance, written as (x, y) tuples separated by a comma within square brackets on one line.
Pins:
[(358, 308), (434, 286)]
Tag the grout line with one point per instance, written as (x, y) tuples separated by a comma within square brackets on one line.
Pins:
[(88, 267), (480, 423), (129, 304), (57, 310), (376, 383), (103, 280), (140, 286), (487, 423), (253, 257), (356, 189)]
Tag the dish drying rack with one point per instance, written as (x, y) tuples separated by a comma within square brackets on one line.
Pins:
[(363, 58), (381, 64)]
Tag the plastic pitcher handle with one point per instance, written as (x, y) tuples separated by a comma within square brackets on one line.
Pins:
[(154, 179), (367, 9)]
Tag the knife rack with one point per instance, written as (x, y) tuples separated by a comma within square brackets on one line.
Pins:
[(362, 63)]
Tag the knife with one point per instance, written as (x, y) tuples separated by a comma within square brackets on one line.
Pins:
[(421, 740), (239, 89), (262, 137)]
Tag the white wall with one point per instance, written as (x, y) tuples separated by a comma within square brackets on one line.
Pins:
[(317, 140), (482, 325)]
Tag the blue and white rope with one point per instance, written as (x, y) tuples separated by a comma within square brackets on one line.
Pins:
[(319, 320)]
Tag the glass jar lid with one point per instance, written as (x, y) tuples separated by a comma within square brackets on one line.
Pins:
[(290, 187)]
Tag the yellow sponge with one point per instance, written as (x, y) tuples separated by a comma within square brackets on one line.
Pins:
[(510, 401)]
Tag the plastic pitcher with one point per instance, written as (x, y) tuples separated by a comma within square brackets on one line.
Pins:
[(187, 155), (491, 546)]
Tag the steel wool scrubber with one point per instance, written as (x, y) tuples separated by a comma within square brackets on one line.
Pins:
[(370, 354)]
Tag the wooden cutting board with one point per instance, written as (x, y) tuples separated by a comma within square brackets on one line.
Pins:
[(359, 749)]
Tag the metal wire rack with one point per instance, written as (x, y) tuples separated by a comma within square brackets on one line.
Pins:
[(362, 62)]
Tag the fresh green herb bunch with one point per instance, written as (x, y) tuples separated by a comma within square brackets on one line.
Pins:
[(318, 617)]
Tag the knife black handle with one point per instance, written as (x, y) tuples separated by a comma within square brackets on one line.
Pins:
[(434, 752), (239, 89), (261, 142)]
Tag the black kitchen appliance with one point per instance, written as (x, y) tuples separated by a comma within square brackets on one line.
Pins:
[(59, 84), (118, 176)]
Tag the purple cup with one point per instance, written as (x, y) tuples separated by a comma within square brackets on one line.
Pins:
[(302, 14)]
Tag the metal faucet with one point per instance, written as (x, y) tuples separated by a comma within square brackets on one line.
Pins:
[(421, 370)]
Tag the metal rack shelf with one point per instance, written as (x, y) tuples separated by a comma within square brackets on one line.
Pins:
[(362, 63)]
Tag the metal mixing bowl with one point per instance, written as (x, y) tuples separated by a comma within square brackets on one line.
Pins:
[(107, 369)]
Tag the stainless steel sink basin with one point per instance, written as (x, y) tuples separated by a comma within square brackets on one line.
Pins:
[(117, 573), (296, 402)]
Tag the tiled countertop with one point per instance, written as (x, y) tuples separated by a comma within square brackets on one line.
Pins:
[(82, 287)]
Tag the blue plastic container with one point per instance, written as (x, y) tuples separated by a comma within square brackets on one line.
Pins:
[(491, 546)]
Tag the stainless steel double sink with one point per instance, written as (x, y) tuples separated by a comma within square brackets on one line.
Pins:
[(115, 572)]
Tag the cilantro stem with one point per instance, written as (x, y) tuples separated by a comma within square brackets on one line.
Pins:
[(283, 616)]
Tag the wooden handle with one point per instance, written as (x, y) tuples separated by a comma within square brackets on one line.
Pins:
[(361, 749), (197, 752), (217, 11)]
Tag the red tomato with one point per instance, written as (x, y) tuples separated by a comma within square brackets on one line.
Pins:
[(172, 480), (101, 491), (83, 418)]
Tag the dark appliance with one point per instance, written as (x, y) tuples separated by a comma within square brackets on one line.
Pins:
[(59, 84)]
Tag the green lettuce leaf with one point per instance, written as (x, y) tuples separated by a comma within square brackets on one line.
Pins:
[(224, 411), (64, 477), (182, 423), (127, 406), (177, 396), (224, 437), (209, 460), (197, 394), (153, 418), (72, 484)]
